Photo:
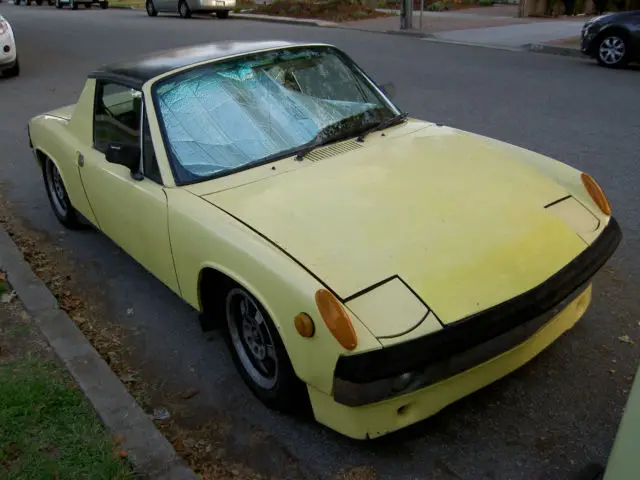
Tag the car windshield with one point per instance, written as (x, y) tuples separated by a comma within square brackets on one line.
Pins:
[(226, 116)]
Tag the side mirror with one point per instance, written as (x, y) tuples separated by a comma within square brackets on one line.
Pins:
[(125, 155), (389, 89)]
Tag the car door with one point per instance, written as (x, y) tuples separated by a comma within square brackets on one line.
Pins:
[(131, 211)]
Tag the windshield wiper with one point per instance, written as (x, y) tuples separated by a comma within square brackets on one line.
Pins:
[(321, 139), (389, 122)]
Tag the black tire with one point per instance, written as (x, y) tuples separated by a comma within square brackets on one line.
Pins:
[(222, 14), (58, 198), (38, 2), (104, 5), (592, 471), (151, 9), (184, 10), (73, 5), (13, 71), (613, 49), (287, 393)]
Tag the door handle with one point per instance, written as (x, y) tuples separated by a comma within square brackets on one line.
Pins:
[(80, 159)]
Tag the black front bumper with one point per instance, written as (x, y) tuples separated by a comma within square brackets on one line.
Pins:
[(474, 339), (587, 46), (588, 37)]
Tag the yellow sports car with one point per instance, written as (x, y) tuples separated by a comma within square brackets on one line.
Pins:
[(370, 265)]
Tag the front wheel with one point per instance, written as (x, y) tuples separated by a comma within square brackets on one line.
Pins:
[(259, 354), (613, 51), (13, 71), (223, 14), (184, 10), (151, 9), (58, 197)]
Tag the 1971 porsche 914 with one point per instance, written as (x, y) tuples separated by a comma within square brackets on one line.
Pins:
[(369, 265)]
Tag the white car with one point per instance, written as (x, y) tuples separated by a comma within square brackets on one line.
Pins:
[(186, 7), (9, 65)]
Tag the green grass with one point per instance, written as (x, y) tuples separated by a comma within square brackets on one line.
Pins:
[(48, 430)]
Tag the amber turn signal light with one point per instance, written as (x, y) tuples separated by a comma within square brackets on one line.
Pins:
[(596, 193), (336, 319), (304, 325)]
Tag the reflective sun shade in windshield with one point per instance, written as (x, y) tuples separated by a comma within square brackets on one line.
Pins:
[(224, 116)]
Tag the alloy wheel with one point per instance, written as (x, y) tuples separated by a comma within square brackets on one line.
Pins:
[(56, 189), (612, 50), (252, 339), (151, 9)]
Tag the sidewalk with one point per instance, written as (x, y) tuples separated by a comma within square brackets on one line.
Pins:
[(515, 36), (491, 26)]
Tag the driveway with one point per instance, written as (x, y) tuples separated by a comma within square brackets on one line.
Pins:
[(543, 422)]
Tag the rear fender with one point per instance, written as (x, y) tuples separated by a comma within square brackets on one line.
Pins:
[(51, 139)]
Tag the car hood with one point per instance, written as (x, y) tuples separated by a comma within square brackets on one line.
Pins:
[(614, 16), (451, 215)]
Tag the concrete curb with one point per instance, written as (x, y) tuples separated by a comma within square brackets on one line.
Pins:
[(284, 20), (555, 50), (432, 38), (149, 452)]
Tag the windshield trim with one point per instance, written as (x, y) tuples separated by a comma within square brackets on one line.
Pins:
[(174, 164)]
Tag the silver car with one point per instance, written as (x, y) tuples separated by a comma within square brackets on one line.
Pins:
[(186, 7)]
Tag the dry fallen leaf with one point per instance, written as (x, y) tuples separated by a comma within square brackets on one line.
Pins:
[(625, 339), (7, 297), (128, 377), (190, 393)]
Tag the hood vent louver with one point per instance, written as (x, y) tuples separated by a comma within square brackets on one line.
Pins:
[(333, 150)]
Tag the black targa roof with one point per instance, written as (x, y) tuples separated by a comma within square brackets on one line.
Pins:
[(135, 73)]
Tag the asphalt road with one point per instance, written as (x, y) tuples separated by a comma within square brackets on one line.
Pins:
[(544, 421)]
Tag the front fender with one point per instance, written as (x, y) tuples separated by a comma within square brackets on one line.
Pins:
[(565, 175), (203, 236)]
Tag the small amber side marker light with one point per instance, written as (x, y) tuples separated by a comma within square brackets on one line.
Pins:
[(596, 193), (336, 319), (304, 325)]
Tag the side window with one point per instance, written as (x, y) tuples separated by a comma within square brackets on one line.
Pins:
[(116, 115), (150, 163)]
